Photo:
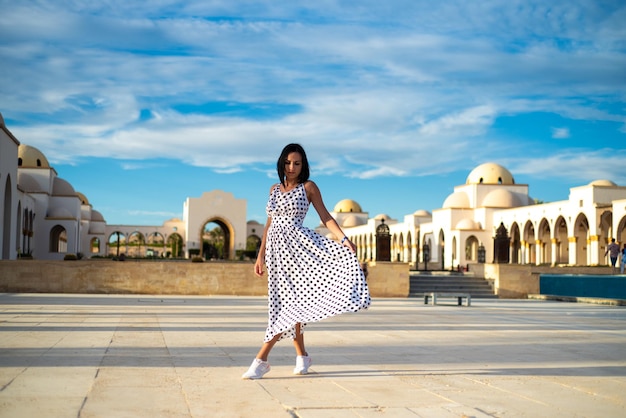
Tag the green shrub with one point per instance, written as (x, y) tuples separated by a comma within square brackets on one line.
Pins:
[(197, 259), (70, 257)]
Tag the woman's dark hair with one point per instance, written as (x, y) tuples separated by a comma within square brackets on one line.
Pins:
[(280, 165)]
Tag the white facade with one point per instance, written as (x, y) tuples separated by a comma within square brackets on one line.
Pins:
[(44, 217), (8, 190), (571, 232)]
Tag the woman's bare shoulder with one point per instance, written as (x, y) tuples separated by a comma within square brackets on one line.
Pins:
[(310, 185)]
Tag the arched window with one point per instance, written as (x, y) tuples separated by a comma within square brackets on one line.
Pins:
[(95, 245), (58, 240)]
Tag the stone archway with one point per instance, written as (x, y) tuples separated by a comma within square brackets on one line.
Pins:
[(217, 243), (561, 241), (516, 247), (581, 241)]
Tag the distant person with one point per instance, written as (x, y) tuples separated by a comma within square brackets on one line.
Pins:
[(310, 277), (613, 250), (621, 266)]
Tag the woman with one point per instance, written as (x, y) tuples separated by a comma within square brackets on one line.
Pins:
[(310, 277)]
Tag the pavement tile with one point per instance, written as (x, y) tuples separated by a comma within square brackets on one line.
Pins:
[(156, 356)]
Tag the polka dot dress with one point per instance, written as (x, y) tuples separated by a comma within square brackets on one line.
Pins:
[(310, 277)]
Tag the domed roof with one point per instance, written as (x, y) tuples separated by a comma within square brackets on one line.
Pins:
[(490, 173), (28, 183), (60, 213), (382, 216), (61, 187), (348, 205), (421, 212), (602, 182), (96, 216), (457, 200), (83, 198), (501, 199), (31, 157), (467, 225), (351, 221), (96, 228)]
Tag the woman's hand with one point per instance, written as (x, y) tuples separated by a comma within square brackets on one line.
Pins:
[(258, 267), (349, 244)]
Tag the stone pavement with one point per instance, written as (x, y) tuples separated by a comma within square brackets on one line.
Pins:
[(154, 356)]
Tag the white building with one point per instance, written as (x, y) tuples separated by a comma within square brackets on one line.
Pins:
[(43, 216), (490, 218)]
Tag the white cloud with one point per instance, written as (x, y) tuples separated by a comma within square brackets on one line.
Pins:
[(560, 133), (375, 86)]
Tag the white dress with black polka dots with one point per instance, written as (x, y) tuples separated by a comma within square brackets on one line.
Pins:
[(310, 277)]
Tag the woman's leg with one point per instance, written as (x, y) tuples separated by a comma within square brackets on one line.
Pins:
[(267, 347), (298, 342)]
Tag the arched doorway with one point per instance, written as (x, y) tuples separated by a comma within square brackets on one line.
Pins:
[(175, 244), (216, 240), (94, 245), (545, 242), (471, 248), (117, 243), (561, 241), (516, 246), (531, 241), (605, 235), (581, 238), (58, 239)]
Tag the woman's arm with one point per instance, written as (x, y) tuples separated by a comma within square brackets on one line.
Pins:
[(260, 258), (315, 197)]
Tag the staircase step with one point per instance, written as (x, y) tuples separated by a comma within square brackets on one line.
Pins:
[(449, 282)]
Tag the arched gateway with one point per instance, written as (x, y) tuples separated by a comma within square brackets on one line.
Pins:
[(221, 208)]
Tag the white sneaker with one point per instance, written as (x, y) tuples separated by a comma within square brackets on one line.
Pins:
[(302, 364), (257, 369)]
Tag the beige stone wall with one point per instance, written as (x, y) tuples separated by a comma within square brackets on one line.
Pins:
[(388, 279), (512, 280), (165, 277)]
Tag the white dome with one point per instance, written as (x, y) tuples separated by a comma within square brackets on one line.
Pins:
[(382, 216), (458, 200), (602, 182), (31, 157), (421, 212), (468, 225), (60, 213), (97, 227), (96, 216), (83, 198), (28, 183), (490, 173), (501, 199), (61, 187), (348, 205), (351, 221)]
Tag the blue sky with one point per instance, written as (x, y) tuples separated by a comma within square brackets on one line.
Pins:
[(140, 105)]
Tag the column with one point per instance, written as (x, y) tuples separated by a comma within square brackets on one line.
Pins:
[(573, 251)]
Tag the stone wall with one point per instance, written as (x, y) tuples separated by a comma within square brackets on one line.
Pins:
[(165, 277)]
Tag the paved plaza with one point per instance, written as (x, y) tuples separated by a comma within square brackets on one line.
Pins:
[(154, 356)]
